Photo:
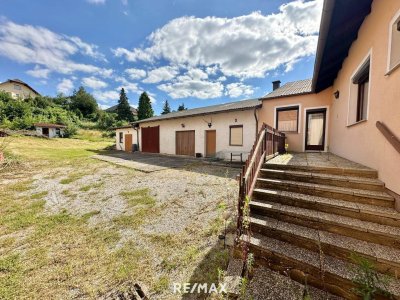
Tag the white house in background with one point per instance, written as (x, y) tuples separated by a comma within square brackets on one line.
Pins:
[(223, 131), (18, 89), (50, 130)]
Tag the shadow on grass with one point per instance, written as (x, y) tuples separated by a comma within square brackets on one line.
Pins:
[(208, 269)]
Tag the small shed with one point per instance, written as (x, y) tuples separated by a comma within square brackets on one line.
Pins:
[(50, 130)]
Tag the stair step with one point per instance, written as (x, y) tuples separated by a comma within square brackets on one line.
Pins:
[(336, 275), (348, 194), (386, 259), (362, 230), (327, 179), (359, 172), (372, 213)]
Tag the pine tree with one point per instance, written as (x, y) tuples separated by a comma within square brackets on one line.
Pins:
[(124, 109), (144, 109), (182, 107), (166, 108)]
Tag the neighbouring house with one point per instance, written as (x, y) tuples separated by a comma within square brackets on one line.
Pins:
[(18, 89), (212, 131), (50, 130), (113, 109)]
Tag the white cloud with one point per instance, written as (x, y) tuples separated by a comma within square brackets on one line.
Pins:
[(39, 72), (238, 89), (106, 95), (40, 46), (94, 82), (65, 86), (245, 46), (96, 1), (136, 73), (130, 87), (161, 74), (124, 2), (222, 78)]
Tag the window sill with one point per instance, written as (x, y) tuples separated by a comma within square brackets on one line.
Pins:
[(356, 123), (397, 66)]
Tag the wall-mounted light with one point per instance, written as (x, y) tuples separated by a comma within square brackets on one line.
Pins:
[(235, 120), (209, 125), (336, 94), (183, 125)]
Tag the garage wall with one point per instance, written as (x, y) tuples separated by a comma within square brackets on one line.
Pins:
[(121, 146), (220, 123)]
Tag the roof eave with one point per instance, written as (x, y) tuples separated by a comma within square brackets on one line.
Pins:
[(199, 114), (285, 96), (326, 18)]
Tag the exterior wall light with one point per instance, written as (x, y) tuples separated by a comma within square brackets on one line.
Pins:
[(183, 125), (336, 94), (209, 125)]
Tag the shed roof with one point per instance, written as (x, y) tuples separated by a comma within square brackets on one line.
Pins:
[(293, 88), (49, 125), (213, 109)]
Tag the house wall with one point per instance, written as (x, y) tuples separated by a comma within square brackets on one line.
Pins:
[(220, 123), (121, 146), (296, 140), (363, 142), (24, 92)]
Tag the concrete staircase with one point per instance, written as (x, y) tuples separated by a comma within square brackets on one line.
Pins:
[(307, 221)]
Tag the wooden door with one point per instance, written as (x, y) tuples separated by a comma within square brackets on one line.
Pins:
[(128, 142), (151, 139), (211, 143), (184, 142), (315, 129)]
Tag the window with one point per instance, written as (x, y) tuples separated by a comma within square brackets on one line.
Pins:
[(121, 137), (17, 87), (394, 44), (236, 135), (287, 119), (361, 82)]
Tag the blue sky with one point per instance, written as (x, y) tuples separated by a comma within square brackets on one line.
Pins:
[(194, 52)]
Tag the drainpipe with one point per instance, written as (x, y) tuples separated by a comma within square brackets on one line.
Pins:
[(255, 117), (136, 128)]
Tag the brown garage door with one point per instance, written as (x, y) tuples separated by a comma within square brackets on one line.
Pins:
[(185, 142), (151, 139)]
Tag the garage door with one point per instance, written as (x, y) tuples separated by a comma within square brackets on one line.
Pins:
[(151, 139), (185, 142)]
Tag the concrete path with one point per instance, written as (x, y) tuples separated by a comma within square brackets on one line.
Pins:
[(147, 162)]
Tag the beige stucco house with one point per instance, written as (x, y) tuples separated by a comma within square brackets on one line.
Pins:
[(18, 89), (223, 131), (355, 88)]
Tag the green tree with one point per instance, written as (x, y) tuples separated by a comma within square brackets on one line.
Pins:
[(182, 107), (144, 109), (124, 109), (83, 102), (166, 108)]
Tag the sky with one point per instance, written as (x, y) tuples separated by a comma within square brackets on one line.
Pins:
[(196, 52)]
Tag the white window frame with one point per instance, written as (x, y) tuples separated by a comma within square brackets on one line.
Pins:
[(367, 57), (276, 108), (392, 22)]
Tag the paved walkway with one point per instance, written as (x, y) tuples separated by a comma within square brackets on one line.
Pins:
[(320, 159), (147, 162)]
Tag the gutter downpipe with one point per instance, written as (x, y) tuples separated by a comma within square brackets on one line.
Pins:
[(326, 18), (255, 117), (136, 128)]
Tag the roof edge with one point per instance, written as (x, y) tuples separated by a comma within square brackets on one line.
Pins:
[(285, 96), (198, 114), (326, 18)]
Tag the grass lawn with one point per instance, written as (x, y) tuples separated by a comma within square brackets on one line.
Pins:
[(72, 227)]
